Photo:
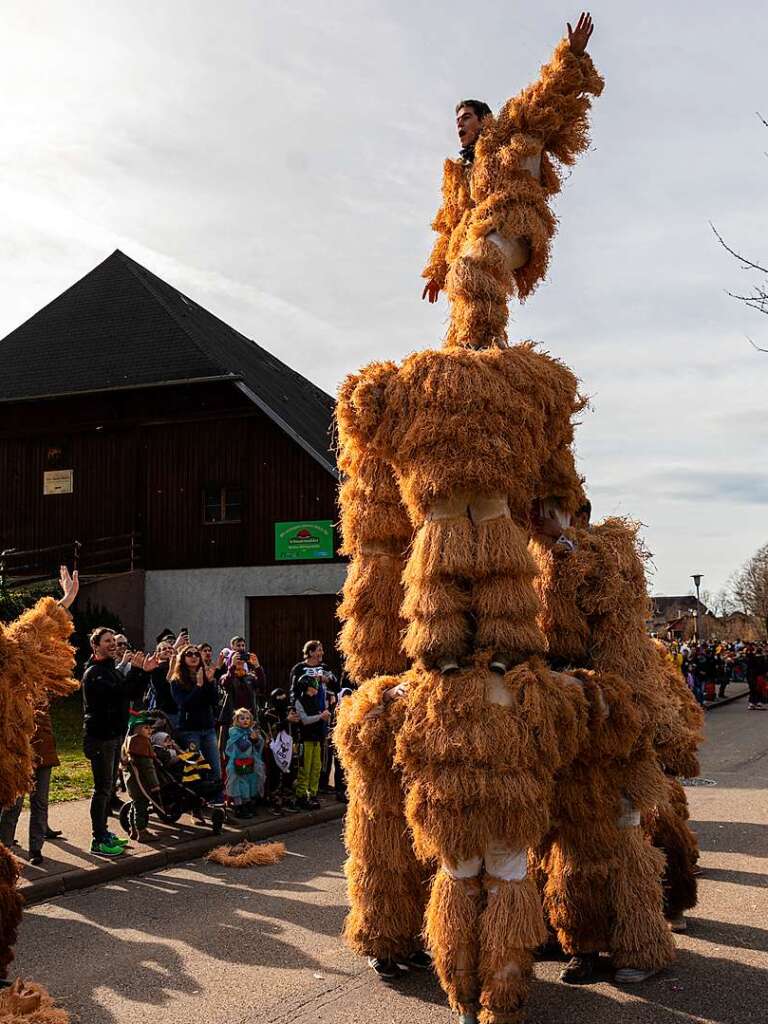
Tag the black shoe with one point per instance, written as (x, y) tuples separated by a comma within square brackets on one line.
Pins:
[(36, 858), (421, 960), (302, 803), (315, 804), (385, 968), (580, 970), (290, 807), (54, 833)]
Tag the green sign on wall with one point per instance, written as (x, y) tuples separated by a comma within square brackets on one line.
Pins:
[(303, 540)]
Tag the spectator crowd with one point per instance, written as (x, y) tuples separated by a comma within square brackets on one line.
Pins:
[(709, 668), (181, 730)]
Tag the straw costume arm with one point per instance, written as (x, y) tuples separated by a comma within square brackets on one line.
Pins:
[(375, 531), (455, 202), (554, 110)]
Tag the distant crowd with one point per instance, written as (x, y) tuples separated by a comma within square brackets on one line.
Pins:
[(709, 668)]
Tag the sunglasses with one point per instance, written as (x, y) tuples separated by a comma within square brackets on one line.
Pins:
[(191, 654)]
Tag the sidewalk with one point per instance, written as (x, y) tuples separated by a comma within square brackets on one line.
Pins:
[(69, 865), (734, 691)]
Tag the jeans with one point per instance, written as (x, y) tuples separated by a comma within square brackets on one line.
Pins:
[(38, 813), (102, 755), (206, 743)]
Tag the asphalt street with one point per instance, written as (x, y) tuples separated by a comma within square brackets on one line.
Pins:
[(201, 944)]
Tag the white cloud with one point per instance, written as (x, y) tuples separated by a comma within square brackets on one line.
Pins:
[(281, 164)]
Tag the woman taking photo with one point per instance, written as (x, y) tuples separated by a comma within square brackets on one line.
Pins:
[(197, 696)]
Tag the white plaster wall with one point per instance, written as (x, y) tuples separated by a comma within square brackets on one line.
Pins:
[(213, 603)]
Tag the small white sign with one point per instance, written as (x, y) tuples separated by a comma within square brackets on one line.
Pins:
[(58, 481)]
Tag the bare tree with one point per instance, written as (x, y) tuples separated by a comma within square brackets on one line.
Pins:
[(720, 604), (757, 296), (750, 585)]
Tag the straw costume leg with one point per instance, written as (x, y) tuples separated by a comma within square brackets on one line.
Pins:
[(672, 835)]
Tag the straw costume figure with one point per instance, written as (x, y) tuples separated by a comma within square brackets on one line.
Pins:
[(604, 879), (678, 736), (36, 661), (444, 456)]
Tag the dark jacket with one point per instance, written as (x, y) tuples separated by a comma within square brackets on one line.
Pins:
[(160, 695), (197, 706), (106, 695), (313, 727)]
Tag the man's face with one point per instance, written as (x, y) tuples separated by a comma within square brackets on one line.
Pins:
[(121, 644), (106, 646), (206, 653), (467, 125), (164, 652)]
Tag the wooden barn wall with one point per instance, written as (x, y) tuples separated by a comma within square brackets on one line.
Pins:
[(140, 462), (279, 481)]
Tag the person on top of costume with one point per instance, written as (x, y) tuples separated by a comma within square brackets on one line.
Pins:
[(495, 226)]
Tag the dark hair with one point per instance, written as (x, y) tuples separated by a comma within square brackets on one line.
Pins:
[(481, 109), (181, 673), (98, 633), (310, 647)]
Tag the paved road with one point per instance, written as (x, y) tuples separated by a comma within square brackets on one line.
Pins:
[(199, 944)]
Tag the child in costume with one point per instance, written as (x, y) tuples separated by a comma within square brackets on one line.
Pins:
[(245, 763), (139, 762)]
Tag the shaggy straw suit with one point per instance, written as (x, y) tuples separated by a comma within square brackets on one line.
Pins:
[(36, 662), (443, 457), (603, 889)]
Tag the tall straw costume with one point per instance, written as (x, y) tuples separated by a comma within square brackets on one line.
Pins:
[(603, 888), (36, 662), (444, 456)]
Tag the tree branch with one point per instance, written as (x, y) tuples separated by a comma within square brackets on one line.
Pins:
[(748, 264), (756, 346)]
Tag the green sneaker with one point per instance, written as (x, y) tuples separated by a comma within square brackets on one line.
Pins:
[(117, 840), (107, 849)]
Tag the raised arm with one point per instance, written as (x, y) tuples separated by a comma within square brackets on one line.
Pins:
[(555, 109)]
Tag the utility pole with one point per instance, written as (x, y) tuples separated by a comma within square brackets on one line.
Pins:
[(697, 583)]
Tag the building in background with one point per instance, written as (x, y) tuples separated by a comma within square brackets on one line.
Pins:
[(187, 469)]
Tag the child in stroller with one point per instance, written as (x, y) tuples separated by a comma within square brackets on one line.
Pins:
[(184, 787)]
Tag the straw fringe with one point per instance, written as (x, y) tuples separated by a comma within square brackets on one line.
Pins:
[(25, 1002), (670, 832), (510, 927), (11, 903), (451, 934)]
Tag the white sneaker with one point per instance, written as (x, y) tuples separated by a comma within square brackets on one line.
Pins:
[(633, 975)]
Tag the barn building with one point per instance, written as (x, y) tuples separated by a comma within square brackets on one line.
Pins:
[(187, 470)]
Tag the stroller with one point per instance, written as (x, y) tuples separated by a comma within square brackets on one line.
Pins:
[(177, 798)]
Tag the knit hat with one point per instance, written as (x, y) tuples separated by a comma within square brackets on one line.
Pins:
[(137, 718)]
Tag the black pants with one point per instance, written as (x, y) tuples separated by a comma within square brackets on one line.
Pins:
[(102, 755), (755, 691)]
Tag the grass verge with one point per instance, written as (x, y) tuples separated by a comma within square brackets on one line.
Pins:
[(73, 779)]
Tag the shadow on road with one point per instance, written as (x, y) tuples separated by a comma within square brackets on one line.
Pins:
[(732, 837), (231, 916)]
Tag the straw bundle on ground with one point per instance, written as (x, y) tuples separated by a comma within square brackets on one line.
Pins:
[(247, 855), (27, 1003)]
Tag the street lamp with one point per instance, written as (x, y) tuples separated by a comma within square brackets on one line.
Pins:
[(697, 583)]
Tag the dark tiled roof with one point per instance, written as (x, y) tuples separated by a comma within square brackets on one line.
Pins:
[(675, 605), (123, 327)]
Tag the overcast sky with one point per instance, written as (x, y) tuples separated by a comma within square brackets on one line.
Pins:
[(280, 163)]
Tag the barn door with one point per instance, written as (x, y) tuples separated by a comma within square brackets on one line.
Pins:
[(280, 626)]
